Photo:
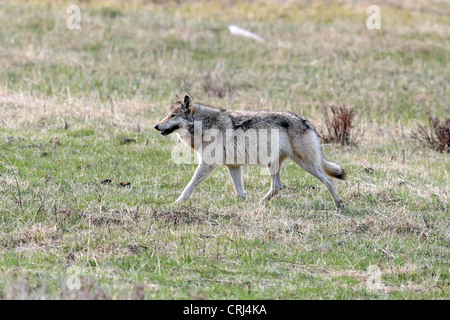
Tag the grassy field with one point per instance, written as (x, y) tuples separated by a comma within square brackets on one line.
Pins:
[(68, 98)]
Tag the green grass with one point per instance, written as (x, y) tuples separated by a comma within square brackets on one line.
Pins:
[(68, 99)]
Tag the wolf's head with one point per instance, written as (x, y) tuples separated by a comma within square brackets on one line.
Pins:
[(180, 116)]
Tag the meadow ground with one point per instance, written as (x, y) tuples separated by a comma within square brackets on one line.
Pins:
[(68, 98)]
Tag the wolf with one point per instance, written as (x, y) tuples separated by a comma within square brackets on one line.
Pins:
[(295, 138)]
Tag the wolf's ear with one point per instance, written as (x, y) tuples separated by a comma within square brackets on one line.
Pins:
[(187, 102), (176, 98)]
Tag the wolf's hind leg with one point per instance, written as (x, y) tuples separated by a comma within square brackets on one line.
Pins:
[(201, 173), (238, 180), (322, 176)]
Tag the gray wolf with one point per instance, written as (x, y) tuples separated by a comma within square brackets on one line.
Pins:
[(295, 136)]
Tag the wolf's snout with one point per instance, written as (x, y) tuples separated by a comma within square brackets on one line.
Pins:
[(167, 131)]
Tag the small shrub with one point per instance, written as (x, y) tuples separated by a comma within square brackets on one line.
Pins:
[(437, 136), (339, 125)]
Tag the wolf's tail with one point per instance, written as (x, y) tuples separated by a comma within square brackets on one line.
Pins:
[(333, 170)]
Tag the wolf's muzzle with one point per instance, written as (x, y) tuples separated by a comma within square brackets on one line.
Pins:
[(167, 131)]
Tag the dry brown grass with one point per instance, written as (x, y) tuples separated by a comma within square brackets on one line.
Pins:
[(21, 108), (339, 126), (436, 136)]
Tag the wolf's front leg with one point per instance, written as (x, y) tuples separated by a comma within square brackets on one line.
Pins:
[(201, 173), (238, 180), (275, 186)]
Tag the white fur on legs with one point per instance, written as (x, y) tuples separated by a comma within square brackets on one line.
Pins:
[(201, 173), (238, 180), (275, 186)]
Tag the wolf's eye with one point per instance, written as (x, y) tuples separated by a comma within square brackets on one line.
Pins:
[(172, 115)]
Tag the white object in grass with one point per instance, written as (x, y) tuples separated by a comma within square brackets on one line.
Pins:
[(245, 33)]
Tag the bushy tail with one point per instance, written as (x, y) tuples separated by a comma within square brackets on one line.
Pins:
[(333, 170)]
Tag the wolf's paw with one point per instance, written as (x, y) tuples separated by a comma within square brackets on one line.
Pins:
[(268, 196), (180, 201), (265, 199), (340, 205), (242, 195)]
